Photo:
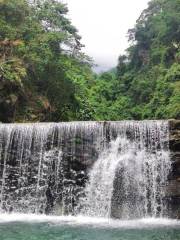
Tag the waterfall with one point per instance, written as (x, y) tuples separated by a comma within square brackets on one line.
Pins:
[(102, 169), (38, 165), (128, 180)]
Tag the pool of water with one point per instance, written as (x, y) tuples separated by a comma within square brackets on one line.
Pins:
[(33, 227)]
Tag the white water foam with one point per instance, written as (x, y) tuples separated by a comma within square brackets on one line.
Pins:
[(88, 221)]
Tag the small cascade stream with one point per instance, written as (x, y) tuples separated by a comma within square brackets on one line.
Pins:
[(99, 169)]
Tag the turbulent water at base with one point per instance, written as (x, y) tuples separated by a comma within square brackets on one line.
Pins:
[(40, 227), (99, 169)]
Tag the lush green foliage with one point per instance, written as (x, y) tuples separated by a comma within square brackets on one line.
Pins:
[(147, 83), (42, 67), (44, 76)]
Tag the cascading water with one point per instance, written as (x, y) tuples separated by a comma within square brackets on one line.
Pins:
[(102, 169), (128, 179), (41, 165)]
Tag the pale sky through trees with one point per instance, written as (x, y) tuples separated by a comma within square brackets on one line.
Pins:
[(103, 25)]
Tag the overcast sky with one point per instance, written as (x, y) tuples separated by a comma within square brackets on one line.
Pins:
[(103, 25)]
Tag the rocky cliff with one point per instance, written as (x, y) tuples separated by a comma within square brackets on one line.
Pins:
[(173, 187)]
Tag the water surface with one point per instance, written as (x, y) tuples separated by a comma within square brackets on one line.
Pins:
[(33, 227)]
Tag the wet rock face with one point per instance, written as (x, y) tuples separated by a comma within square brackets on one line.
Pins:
[(173, 186), (174, 138)]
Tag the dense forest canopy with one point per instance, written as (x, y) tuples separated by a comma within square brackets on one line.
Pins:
[(45, 76)]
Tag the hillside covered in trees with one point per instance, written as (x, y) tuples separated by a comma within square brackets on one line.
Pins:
[(45, 76)]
